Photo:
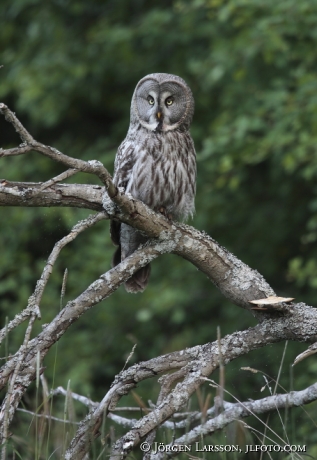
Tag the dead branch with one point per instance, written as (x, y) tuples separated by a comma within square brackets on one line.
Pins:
[(197, 364), (238, 411), (236, 280), (90, 167), (35, 299), (29, 194), (95, 293), (233, 278)]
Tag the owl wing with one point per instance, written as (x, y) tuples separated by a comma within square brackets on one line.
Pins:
[(123, 165)]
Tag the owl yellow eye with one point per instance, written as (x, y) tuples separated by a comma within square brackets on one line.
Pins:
[(169, 101), (150, 100)]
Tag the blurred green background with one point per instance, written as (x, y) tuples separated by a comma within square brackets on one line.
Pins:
[(70, 68)]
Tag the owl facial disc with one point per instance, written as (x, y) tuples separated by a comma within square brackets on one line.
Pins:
[(162, 104)]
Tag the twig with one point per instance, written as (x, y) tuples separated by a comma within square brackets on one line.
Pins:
[(83, 399), (220, 388), (11, 118), (90, 221), (59, 195), (15, 151), (91, 167), (59, 178), (48, 417), (18, 319), (35, 298)]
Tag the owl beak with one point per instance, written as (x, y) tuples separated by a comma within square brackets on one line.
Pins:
[(159, 114)]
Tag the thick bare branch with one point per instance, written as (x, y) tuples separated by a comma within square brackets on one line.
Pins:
[(29, 194), (235, 279), (198, 363), (14, 392), (95, 293), (238, 411)]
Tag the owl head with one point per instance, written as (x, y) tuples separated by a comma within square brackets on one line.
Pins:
[(162, 102)]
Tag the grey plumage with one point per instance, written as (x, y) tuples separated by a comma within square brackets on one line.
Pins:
[(156, 162)]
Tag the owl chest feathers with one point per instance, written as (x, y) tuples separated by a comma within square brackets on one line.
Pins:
[(163, 172), (156, 163)]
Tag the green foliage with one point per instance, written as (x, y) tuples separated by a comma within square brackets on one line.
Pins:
[(70, 68)]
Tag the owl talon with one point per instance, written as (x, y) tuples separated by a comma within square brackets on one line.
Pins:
[(162, 210)]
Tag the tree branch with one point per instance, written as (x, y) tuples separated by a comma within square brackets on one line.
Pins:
[(35, 299), (238, 411), (59, 195), (236, 280), (233, 278), (95, 293), (197, 363), (91, 167)]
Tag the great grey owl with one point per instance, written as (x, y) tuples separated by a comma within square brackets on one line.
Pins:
[(156, 162)]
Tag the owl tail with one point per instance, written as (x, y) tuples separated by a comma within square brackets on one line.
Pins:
[(138, 282), (128, 240)]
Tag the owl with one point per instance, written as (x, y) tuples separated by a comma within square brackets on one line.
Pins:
[(156, 162)]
